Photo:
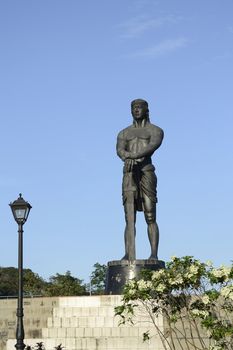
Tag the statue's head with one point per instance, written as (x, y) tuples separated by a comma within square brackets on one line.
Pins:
[(139, 109)]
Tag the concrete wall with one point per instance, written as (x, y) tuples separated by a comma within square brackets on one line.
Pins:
[(36, 313), (79, 323)]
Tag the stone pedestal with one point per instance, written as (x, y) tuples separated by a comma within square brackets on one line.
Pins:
[(120, 271)]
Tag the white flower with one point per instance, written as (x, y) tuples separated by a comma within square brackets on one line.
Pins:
[(157, 274), (177, 280), (200, 313), (149, 284), (189, 275), (222, 271), (227, 292), (215, 347), (205, 299), (217, 273), (173, 257), (144, 285), (131, 283), (193, 269), (204, 313), (160, 287), (131, 292), (209, 263), (195, 312), (141, 284), (226, 269)]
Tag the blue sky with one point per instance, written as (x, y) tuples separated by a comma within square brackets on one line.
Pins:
[(68, 71)]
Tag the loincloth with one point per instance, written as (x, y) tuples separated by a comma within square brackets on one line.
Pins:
[(138, 183)]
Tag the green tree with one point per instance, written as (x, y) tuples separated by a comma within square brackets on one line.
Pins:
[(98, 277), (65, 285), (33, 283), (8, 281)]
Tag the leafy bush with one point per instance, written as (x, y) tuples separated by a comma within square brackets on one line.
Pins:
[(194, 298)]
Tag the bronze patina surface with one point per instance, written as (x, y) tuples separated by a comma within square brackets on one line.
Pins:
[(135, 146)]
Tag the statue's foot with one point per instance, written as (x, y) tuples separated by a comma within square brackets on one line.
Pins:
[(125, 257), (153, 257)]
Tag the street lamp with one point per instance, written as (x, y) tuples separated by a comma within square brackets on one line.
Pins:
[(20, 209)]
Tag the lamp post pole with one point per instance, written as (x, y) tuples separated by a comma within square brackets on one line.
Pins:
[(20, 209), (20, 328)]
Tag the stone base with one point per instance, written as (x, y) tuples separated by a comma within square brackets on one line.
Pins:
[(120, 271)]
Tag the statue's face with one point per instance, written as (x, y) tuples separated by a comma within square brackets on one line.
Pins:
[(139, 111)]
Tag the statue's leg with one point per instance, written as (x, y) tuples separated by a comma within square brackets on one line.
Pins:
[(130, 230), (149, 208)]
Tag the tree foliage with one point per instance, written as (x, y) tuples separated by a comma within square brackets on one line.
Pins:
[(65, 285), (33, 284), (98, 277), (195, 300), (8, 281)]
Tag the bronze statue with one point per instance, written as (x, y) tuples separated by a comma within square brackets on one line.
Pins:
[(135, 146)]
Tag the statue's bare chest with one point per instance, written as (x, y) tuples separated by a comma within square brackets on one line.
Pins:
[(137, 138), (137, 134)]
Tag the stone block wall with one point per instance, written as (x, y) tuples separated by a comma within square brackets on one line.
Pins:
[(36, 313), (88, 323)]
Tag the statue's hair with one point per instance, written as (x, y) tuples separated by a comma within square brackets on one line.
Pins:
[(139, 101)]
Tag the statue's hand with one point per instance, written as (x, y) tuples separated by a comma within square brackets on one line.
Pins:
[(129, 163), (126, 155), (136, 158), (133, 156)]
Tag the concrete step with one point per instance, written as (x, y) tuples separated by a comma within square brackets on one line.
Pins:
[(90, 301), (88, 323), (66, 332), (90, 343), (83, 311), (83, 321)]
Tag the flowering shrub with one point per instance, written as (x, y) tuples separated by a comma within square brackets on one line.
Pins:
[(194, 298)]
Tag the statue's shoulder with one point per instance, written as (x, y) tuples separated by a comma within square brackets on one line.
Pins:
[(156, 129), (123, 133)]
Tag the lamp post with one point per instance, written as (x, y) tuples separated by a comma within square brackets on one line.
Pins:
[(20, 209)]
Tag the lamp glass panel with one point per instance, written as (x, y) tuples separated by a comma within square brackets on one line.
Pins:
[(20, 213), (26, 213)]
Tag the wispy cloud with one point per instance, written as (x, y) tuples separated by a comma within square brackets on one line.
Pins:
[(161, 48), (136, 26)]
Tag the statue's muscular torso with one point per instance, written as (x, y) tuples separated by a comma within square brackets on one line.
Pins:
[(139, 143)]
